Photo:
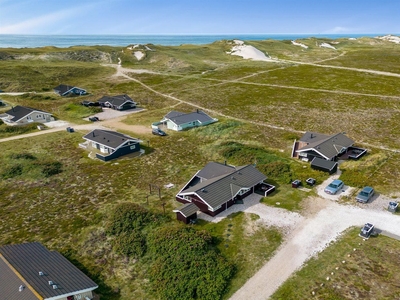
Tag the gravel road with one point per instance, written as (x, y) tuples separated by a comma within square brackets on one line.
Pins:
[(322, 222)]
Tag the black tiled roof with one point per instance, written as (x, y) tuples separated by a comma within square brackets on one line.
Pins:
[(111, 139), (327, 145), (214, 169), (323, 163), (19, 112), (116, 100), (63, 88), (188, 209), (220, 189), (182, 118), (31, 258)]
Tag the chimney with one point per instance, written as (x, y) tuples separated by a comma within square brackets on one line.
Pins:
[(41, 273), (21, 288), (50, 282)]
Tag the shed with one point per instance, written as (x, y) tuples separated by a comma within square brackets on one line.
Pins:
[(187, 213), (324, 165)]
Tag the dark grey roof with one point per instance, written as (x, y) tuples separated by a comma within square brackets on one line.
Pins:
[(323, 163), (188, 209), (10, 283), (19, 112), (116, 100), (63, 88), (111, 139), (31, 258), (327, 145), (182, 118), (214, 169), (218, 190)]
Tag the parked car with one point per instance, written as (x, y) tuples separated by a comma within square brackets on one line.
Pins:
[(94, 119), (158, 131), (334, 187), (365, 194), (367, 230)]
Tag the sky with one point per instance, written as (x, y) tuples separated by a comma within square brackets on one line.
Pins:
[(199, 17)]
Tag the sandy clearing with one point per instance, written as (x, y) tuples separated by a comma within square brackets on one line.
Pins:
[(326, 45), (248, 52), (109, 113), (116, 124), (299, 44), (138, 54)]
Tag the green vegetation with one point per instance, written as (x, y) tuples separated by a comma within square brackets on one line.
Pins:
[(372, 261), (6, 130), (103, 217), (185, 267)]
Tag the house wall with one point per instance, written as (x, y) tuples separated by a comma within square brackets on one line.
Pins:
[(184, 219), (127, 106), (310, 155), (38, 117), (79, 296), (127, 149), (204, 207)]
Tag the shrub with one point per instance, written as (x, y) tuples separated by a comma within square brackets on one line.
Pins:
[(50, 168), (186, 266), (130, 244), (23, 155), (128, 217), (12, 171), (277, 170)]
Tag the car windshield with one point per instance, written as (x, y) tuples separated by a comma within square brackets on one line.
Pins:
[(333, 185), (365, 194)]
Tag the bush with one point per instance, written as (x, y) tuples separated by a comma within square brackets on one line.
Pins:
[(130, 244), (12, 171), (277, 170), (50, 168), (186, 266), (23, 155), (128, 217)]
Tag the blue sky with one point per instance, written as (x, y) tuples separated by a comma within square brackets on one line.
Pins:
[(198, 17)]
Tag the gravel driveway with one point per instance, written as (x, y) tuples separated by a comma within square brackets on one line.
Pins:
[(312, 234), (109, 113)]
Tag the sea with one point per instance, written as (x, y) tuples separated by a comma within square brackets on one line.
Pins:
[(65, 41)]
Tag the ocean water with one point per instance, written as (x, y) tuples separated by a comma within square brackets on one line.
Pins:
[(63, 41)]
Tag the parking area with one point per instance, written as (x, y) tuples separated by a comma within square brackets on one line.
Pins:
[(109, 113), (345, 191)]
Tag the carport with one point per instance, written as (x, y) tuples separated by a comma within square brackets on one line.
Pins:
[(324, 165)]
